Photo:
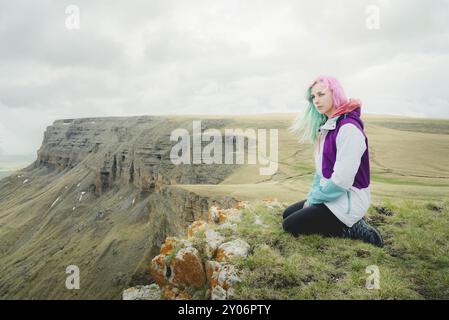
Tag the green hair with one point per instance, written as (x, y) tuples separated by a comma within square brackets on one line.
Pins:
[(306, 125)]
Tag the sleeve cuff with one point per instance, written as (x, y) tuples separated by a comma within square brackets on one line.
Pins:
[(329, 192)]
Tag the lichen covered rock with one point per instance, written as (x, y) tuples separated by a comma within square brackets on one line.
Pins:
[(229, 249), (200, 267), (216, 215), (213, 241), (187, 269), (158, 270)]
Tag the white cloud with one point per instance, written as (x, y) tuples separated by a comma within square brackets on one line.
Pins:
[(167, 57)]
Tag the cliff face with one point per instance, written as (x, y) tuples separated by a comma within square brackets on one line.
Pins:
[(131, 150), (102, 195)]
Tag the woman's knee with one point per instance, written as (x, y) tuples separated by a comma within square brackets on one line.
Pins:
[(304, 221), (294, 207)]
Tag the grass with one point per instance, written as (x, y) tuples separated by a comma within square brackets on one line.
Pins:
[(422, 125), (409, 181), (413, 264), (404, 164)]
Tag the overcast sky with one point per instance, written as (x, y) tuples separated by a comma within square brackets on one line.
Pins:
[(179, 57)]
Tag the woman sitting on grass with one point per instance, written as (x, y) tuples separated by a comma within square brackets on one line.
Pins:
[(340, 194)]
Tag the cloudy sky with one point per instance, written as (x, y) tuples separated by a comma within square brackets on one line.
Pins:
[(181, 57)]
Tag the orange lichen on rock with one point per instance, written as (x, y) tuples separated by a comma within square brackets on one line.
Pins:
[(187, 269), (241, 205), (179, 268), (195, 227), (211, 267), (213, 240), (216, 215), (229, 249), (170, 292), (213, 213), (158, 270), (221, 277), (169, 245)]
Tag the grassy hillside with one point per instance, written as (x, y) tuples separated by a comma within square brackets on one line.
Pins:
[(404, 164), (414, 264)]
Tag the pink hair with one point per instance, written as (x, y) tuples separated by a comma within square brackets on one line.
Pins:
[(338, 94)]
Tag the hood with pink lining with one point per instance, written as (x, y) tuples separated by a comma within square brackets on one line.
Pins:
[(347, 107)]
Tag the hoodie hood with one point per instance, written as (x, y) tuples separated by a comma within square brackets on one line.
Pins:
[(348, 107)]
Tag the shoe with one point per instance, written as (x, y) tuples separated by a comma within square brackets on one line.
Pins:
[(361, 230)]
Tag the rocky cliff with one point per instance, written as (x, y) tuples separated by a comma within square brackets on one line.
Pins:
[(120, 151), (102, 195)]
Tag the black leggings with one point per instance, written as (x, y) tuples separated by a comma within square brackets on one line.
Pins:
[(314, 219)]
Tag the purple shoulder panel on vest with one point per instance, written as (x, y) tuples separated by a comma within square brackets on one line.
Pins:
[(362, 178)]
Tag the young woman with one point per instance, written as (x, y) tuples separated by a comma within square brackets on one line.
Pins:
[(340, 193)]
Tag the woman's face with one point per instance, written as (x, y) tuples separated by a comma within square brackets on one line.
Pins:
[(322, 99)]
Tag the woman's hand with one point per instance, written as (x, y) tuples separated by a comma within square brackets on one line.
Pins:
[(305, 204)]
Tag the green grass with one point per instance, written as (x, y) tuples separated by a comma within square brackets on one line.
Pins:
[(410, 181), (419, 125), (414, 263)]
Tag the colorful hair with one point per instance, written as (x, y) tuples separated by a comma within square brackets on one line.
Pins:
[(306, 125)]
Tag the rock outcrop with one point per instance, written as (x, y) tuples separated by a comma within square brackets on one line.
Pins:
[(199, 266)]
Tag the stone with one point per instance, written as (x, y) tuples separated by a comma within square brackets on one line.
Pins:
[(158, 270), (221, 274), (213, 240), (215, 215), (187, 269), (170, 292), (211, 268), (222, 278), (227, 276), (229, 249), (242, 205)]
